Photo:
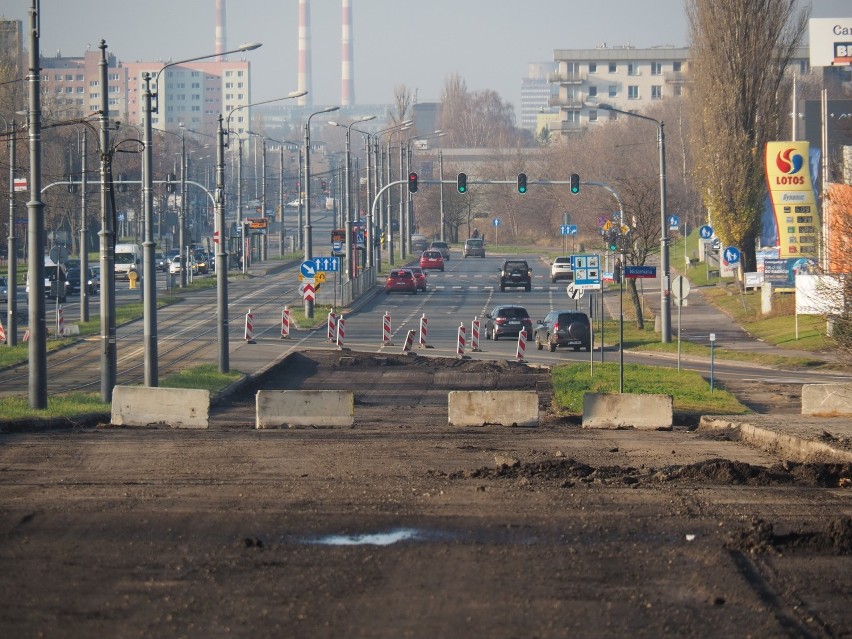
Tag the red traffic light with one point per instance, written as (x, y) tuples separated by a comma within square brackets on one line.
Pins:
[(412, 182)]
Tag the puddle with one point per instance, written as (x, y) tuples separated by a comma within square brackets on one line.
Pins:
[(372, 539)]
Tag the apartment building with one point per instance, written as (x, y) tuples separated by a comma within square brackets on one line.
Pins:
[(70, 86)]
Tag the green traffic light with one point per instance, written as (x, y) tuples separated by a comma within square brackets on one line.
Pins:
[(575, 183), (461, 182), (522, 182)]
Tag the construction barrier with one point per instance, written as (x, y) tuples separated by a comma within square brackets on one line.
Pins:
[(423, 328), (386, 329), (341, 331), (460, 343), (522, 345), (474, 335), (487, 408), (285, 323), (2, 333), (249, 332), (409, 341), (27, 335), (60, 322), (297, 408), (332, 330), (175, 407)]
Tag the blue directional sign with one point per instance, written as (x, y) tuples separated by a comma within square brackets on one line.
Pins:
[(706, 232), (674, 222), (308, 268), (568, 229), (336, 246), (732, 255), (328, 264), (587, 271), (496, 221), (634, 272)]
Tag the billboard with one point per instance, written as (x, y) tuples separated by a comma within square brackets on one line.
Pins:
[(830, 41), (791, 191)]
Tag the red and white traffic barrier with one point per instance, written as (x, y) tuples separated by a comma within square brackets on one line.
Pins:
[(462, 337), (409, 341), (386, 329), (2, 333), (423, 330), (341, 331), (60, 322), (332, 330), (249, 332), (285, 323), (474, 335), (27, 335), (522, 345)]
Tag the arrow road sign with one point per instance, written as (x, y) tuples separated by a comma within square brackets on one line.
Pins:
[(329, 264), (308, 268)]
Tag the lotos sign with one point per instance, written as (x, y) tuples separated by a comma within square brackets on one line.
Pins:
[(788, 178)]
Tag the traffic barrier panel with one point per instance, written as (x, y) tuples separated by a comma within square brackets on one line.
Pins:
[(2, 333), (60, 322), (285, 323), (409, 341), (332, 328), (829, 400), (175, 407), (249, 332), (294, 408), (27, 335), (486, 408), (522, 345), (460, 342), (423, 329), (474, 335), (341, 331), (627, 410), (386, 329)]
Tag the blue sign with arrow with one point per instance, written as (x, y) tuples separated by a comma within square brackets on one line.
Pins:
[(308, 268), (328, 264)]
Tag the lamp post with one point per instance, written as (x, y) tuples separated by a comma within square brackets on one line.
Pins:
[(387, 226), (309, 249), (12, 316), (263, 182), (372, 242), (409, 219), (290, 146), (665, 298), (347, 195)]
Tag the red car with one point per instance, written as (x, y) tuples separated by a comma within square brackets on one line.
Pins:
[(401, 279), (432, 259), (420, 276)]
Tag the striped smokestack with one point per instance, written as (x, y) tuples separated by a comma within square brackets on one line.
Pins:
[(304, 77), (221, 45), (347, 80)]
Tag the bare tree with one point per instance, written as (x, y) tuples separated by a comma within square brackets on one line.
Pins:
[(739, 54), (402, 101)]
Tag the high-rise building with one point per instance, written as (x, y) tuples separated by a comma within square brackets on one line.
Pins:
[(12, 47), (536, 93)]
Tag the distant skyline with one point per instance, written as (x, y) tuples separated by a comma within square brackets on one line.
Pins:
[(416, 44)]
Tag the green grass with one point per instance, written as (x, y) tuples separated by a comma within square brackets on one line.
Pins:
[(204, 376), (72, 405), (690, 392)]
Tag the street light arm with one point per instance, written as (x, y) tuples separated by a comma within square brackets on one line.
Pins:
[(289, 96)]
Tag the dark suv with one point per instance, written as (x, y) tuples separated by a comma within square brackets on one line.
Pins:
[(563, 328), (507, 320), (515, 273)]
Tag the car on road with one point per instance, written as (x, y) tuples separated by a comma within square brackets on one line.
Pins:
[(474, 247), (420, 276), (432, 259), (178, 261), (4, 289), (563, 328), (72, 281), (201, 261), (441, 246), (507, 320), (515, 273), (401, 280), (560, 269), (160, 261)]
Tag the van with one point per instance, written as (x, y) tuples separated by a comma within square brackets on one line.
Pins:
[(54, 280), (128, 257), (419, 243)]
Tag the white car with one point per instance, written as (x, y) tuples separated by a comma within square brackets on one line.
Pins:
[(4, 290), (561, 269)]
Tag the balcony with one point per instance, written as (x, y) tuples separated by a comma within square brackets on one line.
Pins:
[(570, 103), (567, 78), (676, 77)]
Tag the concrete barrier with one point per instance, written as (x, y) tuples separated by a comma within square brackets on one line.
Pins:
[(291, 408), (175, 407), (627, 410), (481, 408), (827, 400)]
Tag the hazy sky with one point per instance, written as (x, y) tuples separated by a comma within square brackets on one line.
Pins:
[(418, 43)]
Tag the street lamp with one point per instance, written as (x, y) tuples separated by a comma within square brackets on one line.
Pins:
[(665, 298), (372, 188), (309, 251), (12, 317), (290, 146), (409, 219), (402, 126), (351, 259)]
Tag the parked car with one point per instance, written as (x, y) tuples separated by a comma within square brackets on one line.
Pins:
[(474, 247), (432, 259), (515, 273), (160, 261), (563, 328), (561, 269), (401, 280), (72, 281), (4, 290), (507, 319), (420, 276), (441, 246)]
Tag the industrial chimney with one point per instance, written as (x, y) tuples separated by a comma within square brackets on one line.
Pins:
[(304, 75), (221, 45), (347, 79)]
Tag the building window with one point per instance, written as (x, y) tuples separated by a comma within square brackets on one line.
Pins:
[(613, 67), (113, 76), (613, 91), (69, 89), (593, 67), (196, 108), (656, 68), (58, 77), (80, 78), (613, 116), (94, 96), (229, 74), (632, 69), (677, 90), (593, 92), (81, 90), (239, 74), (69, 78), (656, 92), (633, 92), (676, 67), (593, 115)]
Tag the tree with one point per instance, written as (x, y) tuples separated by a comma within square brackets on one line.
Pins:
[(739, 54)]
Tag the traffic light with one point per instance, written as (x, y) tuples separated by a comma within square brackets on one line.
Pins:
[(72, 188), (170, 185), (575, 183), (612, 240), (324, 185), (462, 182), (522, 182), (412, 182)]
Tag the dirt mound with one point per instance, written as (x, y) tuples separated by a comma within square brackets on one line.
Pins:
[(760, 537)]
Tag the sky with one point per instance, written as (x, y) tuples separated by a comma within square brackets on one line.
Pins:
[(416, 43)]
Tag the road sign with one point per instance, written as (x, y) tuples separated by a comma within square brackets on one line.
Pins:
[(568, 229), (674, 222), (640, 272), (496, 221), (308, 268), (336, 246), (680, 288), (320, 278), (330, 264), (20, 184), (215, 237), (706, 232), (732, 255), (587, 272), (309, 292), (573, 292)]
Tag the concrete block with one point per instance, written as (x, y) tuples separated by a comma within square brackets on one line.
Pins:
[(827, 400), (292, 408), (175, 407), (627, 410), (482, 408)]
